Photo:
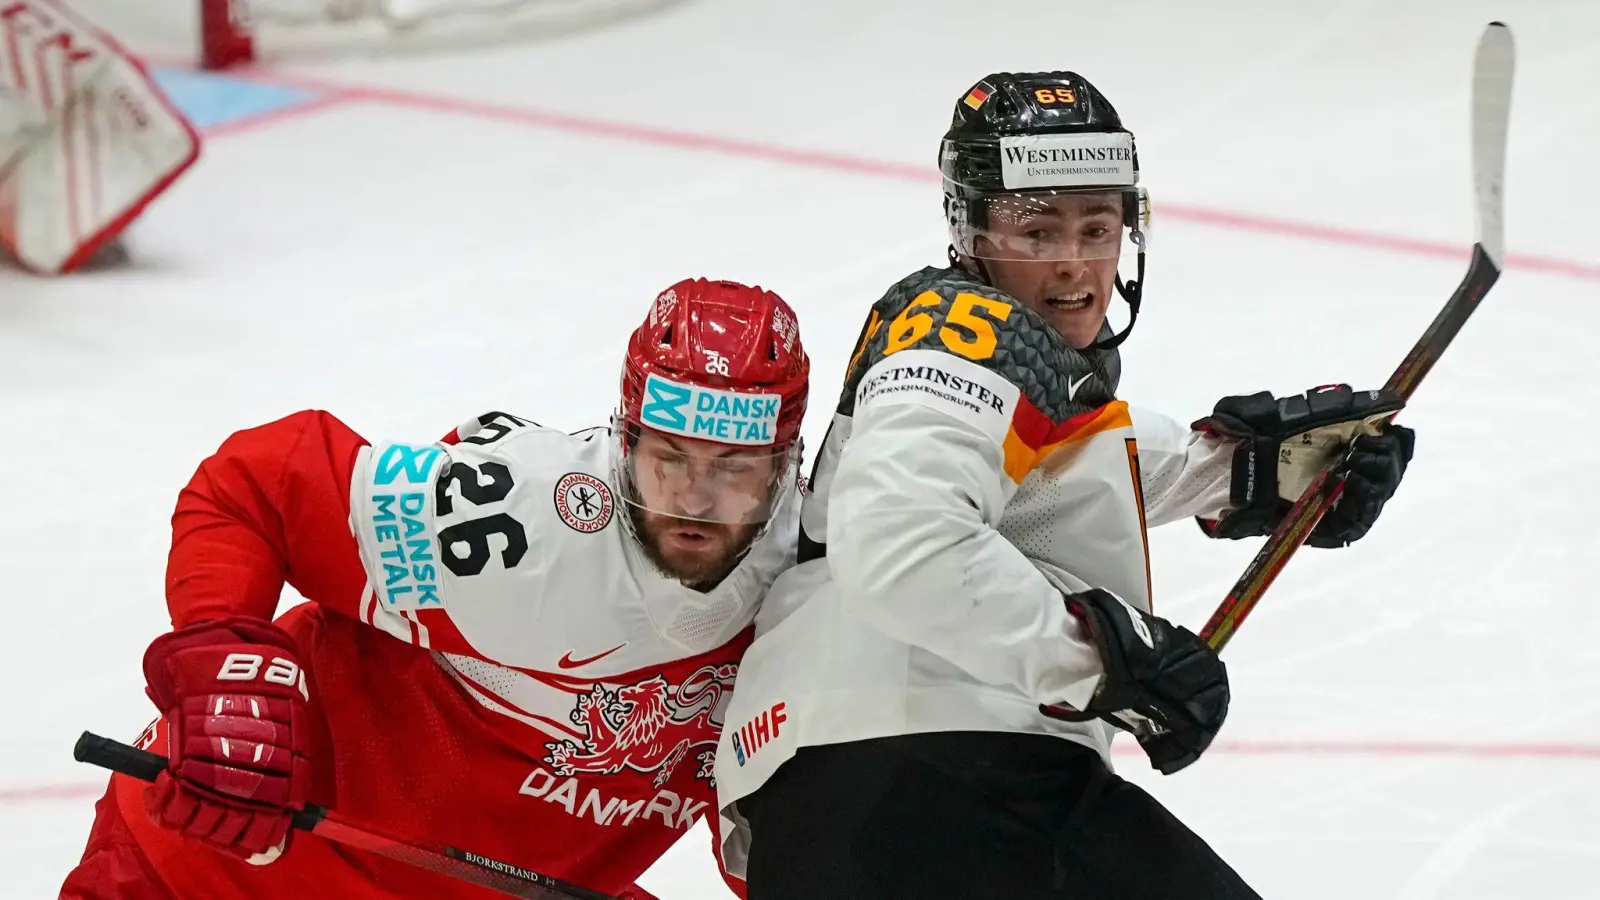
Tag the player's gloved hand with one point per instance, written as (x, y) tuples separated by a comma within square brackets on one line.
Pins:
[(234, 698), (1281, 444), (1160, 672)]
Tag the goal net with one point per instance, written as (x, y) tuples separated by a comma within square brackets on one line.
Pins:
[(235, 32)]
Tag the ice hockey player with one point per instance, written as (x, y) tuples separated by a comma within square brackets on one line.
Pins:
[(87, 139), (928, 706), (519, 642)]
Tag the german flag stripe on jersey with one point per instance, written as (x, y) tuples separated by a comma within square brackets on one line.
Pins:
[(1034, 438)]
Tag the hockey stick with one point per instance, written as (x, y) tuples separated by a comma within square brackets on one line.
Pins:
[(324, 823), (1491, 112)]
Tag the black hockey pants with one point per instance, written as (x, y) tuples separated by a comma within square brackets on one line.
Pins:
[(970, 816)]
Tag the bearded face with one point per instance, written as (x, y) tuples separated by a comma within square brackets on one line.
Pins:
[(699, 504)]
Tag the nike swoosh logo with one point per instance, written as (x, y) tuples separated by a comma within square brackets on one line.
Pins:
[(567, 662), (1072, 389)]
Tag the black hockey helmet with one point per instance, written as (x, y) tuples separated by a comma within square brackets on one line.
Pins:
[(1018, 136)]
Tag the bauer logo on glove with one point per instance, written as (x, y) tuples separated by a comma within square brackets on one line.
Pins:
[(247, 667)]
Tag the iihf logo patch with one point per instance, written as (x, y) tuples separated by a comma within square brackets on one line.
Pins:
[(759, 732), (583, 502)]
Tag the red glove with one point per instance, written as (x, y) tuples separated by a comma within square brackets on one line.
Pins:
[(234, 698)]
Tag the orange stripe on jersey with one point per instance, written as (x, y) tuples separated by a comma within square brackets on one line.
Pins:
[(1144, 527), (1033, 437)]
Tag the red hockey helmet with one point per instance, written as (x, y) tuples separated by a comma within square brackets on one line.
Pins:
[(718, 336), (718, 374)]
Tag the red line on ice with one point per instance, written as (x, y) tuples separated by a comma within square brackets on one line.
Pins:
[(1551, 751), (335, 93), (16, 795)]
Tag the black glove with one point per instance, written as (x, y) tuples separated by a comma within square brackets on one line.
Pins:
[(1282, 444), (1160, 672)]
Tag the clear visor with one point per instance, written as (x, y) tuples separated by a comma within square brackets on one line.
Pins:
[(1049, 226), (702, 481)]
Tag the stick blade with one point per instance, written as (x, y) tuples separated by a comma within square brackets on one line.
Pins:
[(1491, 113)]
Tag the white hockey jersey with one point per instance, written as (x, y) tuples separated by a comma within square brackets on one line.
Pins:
[(977, 468), (533, 587)]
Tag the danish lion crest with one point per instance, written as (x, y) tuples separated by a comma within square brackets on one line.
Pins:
[(649, 727)]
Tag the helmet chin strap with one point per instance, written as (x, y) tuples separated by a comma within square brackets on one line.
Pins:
[(1132, 291), (957, 261)]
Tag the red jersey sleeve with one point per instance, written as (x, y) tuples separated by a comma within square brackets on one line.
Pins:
[(272, 505)]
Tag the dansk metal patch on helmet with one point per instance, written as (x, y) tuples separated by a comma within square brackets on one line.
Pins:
[(709, 414)]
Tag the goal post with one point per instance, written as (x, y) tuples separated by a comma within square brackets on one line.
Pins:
[(238, 32)]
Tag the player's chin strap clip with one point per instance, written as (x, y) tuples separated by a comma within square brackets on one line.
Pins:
[(1133, 292)]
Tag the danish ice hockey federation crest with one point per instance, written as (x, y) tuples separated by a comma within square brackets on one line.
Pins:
[(583, 502), (648, 727)]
